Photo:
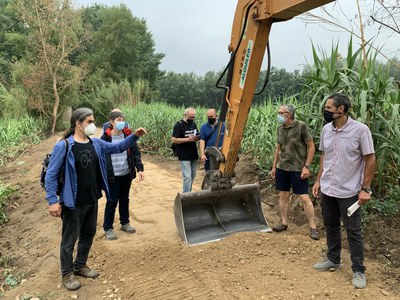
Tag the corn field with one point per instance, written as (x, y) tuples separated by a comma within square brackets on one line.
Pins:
[(375, 101)]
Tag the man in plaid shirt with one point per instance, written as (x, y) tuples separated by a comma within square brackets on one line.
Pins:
[(346, 170)]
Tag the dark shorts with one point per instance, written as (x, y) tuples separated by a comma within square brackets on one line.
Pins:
[(286, 179)]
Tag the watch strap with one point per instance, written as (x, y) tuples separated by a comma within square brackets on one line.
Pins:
[(367, 189)]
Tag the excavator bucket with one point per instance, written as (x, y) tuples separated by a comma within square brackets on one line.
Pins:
[(207, 215)]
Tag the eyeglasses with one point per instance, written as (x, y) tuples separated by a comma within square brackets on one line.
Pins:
[(210, 117), (282, 112)]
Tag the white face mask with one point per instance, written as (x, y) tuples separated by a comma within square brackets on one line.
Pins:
[(90, 129)]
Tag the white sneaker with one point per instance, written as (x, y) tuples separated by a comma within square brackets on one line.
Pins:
[(326, 265), (128, 228), (110, 235), (359, 280)]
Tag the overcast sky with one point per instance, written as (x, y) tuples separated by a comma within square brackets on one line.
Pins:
[(194, 35)]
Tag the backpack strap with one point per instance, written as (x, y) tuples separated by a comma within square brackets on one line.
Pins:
[(212, 132), (66, 151)]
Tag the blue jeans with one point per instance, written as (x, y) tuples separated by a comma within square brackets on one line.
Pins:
[(334, 209), (189, 168), (119, 191), (78, 224)]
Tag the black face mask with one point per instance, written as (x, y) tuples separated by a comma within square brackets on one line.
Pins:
[(328, 116), (189, 121), (211, 121)]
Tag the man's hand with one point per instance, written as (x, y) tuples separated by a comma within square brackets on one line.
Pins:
[(140, 132), (55, 210), (203, 158), (273, 173), (192, 138), (315, 189), (363, 197), (305, 173), (140, 176)]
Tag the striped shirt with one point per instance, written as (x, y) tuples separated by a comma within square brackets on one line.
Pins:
[(119, 160), (343, 165)]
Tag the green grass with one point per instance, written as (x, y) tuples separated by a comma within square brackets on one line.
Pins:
[(16, 135), (6, 191)]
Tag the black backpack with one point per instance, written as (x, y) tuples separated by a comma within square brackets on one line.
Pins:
[(174, 148), (61, 175)]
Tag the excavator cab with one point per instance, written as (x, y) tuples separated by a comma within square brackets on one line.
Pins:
[(221, 207)]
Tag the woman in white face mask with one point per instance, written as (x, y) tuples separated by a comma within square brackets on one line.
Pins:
[(122, 168), (85, 176)]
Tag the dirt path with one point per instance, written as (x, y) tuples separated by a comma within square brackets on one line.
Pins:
[(155, 264)]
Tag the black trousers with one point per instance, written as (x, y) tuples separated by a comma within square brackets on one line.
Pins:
[(334, 209), (119, 191), (79, 223)]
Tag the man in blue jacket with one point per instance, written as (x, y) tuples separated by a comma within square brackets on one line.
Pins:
[(85, 177), (209, 134)]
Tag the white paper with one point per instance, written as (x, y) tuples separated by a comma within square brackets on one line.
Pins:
[(194, 131), (352, 209)]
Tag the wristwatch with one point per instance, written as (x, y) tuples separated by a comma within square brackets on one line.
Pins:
[(367, 189), (307, 166)]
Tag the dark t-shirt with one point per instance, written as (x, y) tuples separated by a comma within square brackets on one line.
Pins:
[(88, 173), (188, 150)]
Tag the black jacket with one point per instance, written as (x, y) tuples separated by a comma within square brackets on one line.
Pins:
[(134, 156)]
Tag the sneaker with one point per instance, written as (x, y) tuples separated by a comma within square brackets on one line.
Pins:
[(359, 280), (280, 227), (326, 265), (86, 272), (314, 234), (128, 228), (70, 282), (110, 235)]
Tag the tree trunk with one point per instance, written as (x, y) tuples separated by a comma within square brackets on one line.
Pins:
[(56, 104)]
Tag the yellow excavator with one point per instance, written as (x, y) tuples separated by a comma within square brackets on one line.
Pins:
[(221, 207)]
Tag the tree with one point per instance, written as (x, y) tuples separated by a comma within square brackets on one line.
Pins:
[(387, 15), (281, 83), (12, 40), (55, 32), (374, 19), (122, 48)]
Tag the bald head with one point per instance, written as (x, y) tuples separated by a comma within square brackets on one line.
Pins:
[(211, 113)]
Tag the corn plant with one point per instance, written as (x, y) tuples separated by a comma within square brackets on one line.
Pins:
[(159, 120), (375, 102)]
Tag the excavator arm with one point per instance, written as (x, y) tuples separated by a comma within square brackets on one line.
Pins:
[(250, 31), (221, 207)]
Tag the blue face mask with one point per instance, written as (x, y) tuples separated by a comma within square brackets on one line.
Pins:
[(119, 125), (281, 119)]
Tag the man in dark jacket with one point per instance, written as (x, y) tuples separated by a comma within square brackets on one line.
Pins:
[(121, 170)]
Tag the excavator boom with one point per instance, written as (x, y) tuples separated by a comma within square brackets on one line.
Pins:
[(248, 47), (221, 208)]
